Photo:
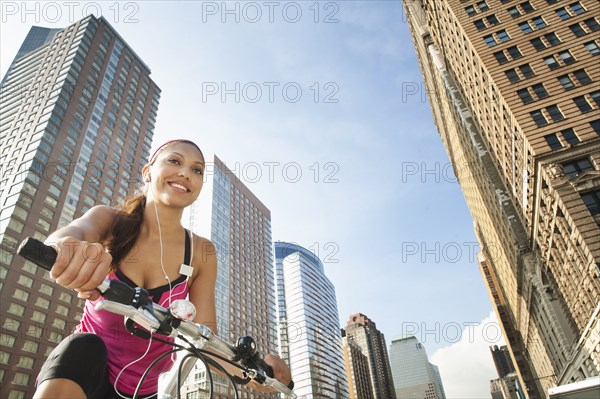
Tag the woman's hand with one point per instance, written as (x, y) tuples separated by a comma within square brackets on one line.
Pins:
[(281, 371), (80, 265)]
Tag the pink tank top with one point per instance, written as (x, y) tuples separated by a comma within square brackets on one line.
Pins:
[(124, 348)]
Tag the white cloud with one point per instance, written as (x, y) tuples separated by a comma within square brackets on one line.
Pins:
[(466, 367)]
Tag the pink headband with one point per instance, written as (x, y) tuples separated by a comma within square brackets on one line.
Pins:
[(152, 158)]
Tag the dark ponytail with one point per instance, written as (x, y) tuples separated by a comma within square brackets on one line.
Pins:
[(126, 226)]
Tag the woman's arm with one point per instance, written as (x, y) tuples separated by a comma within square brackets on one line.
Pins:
[(202, 287), (82, 262)]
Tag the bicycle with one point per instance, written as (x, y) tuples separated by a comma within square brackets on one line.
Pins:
[(200, 342)]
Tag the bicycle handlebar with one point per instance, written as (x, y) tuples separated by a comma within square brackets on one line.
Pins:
[(134, 304)]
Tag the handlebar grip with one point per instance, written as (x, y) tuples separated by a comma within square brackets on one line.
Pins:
[(266, 368), (37, 252), (269, 372)]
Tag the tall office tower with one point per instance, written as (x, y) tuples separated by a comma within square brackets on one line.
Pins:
[(77, 118), (507, 386), (357, 370), (414, 377), (502, 360), (365, 334), (309, 330), (239, 225), (513, 87)]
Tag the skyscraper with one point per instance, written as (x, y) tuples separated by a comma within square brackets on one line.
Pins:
[(309, 324), (364, 333), (513, 87), (414, 377), (507, 386), (357, 370), (239, 225), (77, 118)]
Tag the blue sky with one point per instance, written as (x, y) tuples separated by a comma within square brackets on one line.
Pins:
[(332, 131)]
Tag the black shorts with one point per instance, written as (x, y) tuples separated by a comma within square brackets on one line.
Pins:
[(81, 357)]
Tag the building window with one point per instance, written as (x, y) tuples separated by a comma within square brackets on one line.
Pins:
[(591, 199), (470, 11), (551, 62), (540, 91), (492, 20), (582, 104), (576, 167), (525, 96), (538, 44), (539, 118), (592, 24), (500, 57), (514, 12), (482, 5), (577, 8), (563, 14), (577, 30), (570, 136), (566, 82), (526, 71), (503, 36), (596, 126), (525, 27), (555, 113), (567, 57), (582, 76), (592, 47), (552, 39), (553, 141), (514, 52), (490, 40), (512, 75), (539, 22), (479, 24), (596, 97), (526, 6)]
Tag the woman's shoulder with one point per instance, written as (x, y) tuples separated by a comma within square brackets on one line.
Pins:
[(203, 244)]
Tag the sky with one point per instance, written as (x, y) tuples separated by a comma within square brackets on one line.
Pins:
[(320, 109)]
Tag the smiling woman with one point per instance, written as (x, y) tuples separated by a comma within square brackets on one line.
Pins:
[(144, 245)]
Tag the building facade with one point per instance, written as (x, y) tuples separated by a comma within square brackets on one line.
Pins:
[(364, 333), (507, 385), (309, 330), (77, 110), (414, 377), (239, 225), (513, 88), (357, 370)]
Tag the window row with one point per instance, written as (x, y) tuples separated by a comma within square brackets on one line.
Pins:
[(510, 54), (569, 11), (568, 136), (538, 90), (584, 105), (580, 76), (540, 116)]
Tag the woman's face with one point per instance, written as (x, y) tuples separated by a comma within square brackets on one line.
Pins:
[(176, 175)]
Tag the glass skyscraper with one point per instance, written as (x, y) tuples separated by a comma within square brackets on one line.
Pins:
[(414, 377), (309, 330), (77, 110)]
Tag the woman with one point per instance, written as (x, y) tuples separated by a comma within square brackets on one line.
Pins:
[(143, 244)]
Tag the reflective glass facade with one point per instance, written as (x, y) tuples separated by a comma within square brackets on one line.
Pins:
[(309, 324), (77, 113), (413, 375)]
